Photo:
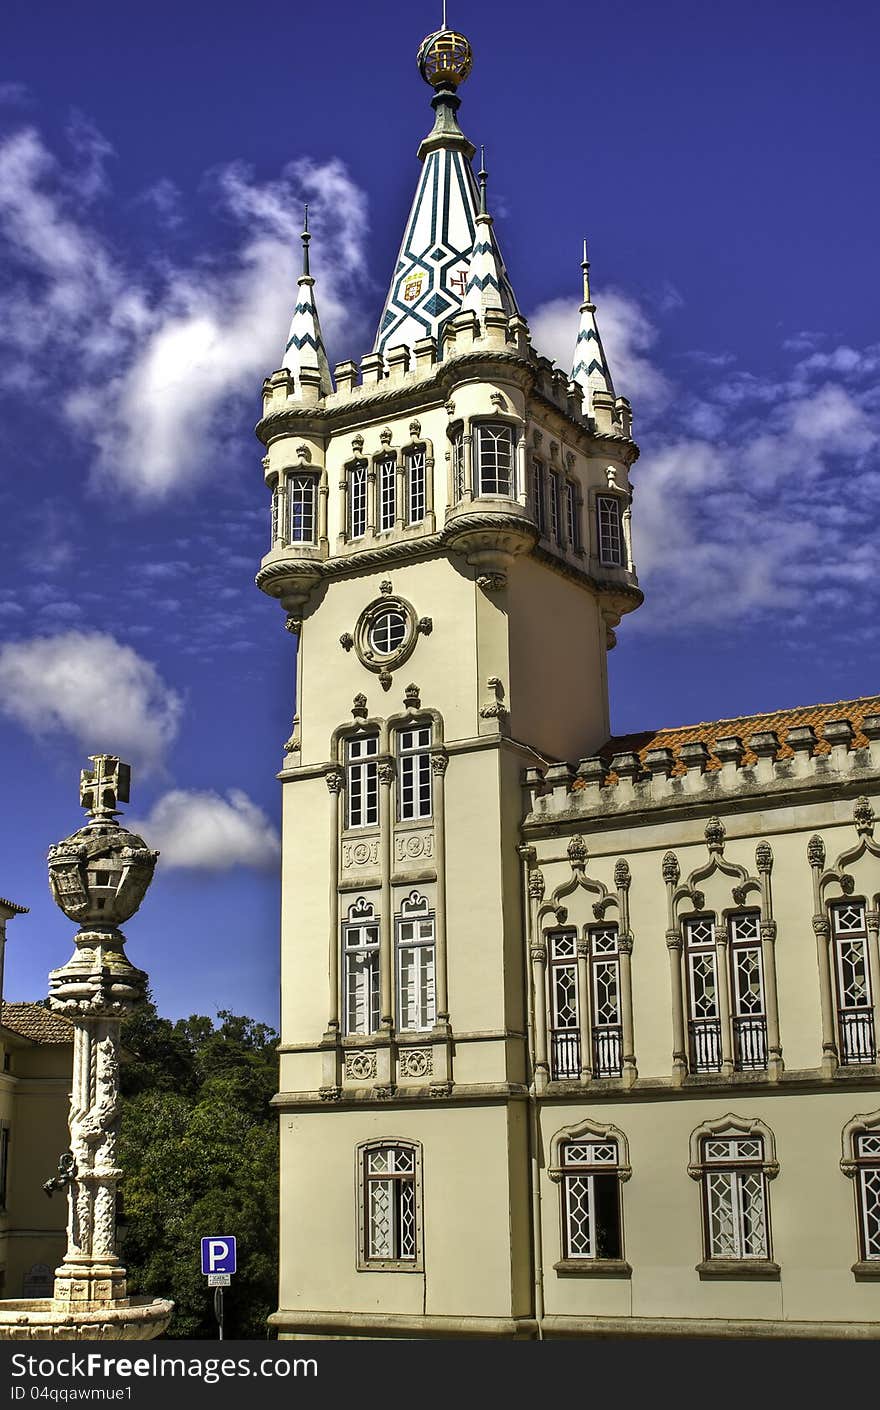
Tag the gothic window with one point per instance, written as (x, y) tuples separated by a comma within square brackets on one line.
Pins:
[(538, 496), (302, 506), (457, 450), (749, 1013), (494, 454), (416, 484), (416, 1002), (590, 1181), (362, 781), (555, 507), (389, 1213), (276, 521), (387, 492), (735, 1197), (357, 501), (855, 1013), (610, 536), (605, 998), (360, 944), (565, 1040), (704, 1023), (414, 773), (866, 1153), (573, 523)]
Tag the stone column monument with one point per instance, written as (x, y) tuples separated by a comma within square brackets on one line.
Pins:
[(98, 877)]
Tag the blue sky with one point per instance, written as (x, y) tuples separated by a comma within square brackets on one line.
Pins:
[(153, 162)]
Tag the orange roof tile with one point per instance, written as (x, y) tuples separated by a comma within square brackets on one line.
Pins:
[(34, 1021)]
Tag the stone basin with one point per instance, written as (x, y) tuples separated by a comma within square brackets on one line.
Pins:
[(43, 1319)]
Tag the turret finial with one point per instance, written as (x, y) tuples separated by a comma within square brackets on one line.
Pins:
[(306, 238), (444, 24), (484, 177), (585, 266)]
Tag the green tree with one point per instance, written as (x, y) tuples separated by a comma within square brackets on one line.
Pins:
[(199, 1145)]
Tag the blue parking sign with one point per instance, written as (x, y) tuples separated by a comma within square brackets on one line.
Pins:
[(218, 1254)]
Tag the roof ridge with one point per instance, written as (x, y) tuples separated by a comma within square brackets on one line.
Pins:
[(731, 719)]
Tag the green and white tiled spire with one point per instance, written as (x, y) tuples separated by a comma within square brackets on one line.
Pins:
[(305, 344), (487, 285), (430, 275), (590, 368)]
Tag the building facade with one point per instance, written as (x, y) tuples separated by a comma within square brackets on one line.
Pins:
[(579, 1034)]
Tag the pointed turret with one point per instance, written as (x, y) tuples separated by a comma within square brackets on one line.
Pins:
[(305, 352), (590, 369), (431, 271), (487, 285)]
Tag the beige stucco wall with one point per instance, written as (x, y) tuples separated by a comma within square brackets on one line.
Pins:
[(33, 1103)]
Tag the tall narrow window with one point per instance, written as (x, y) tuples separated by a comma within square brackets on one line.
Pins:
[(866, 1150), (610, 537), (591, 1200), (389, 1198), (416, 1005), (360, 943), (414, 773), (538, 496), (747, 992), (565, 1040), (572, 518), (605, 995), (387, 492), (457, 450), (855, 1011), (362, 781), (555, 507), (276, 520), (357, 501), (735, 1197), (416, 484), (301, 499), (704, 1026), (494, 448), (4, 1164)]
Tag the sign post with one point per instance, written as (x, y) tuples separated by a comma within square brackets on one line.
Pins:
[(219, 1262)]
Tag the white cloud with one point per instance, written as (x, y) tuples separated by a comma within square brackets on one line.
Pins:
[(208, 832), (92, 688), (628, 336)]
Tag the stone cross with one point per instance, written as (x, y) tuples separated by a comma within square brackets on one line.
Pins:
[(104, 786)]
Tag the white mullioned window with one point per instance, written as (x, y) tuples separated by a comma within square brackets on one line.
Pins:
[(458, 472), (538, 496), (389, 1205), (855, 1010), (362, 781), (590, 1180), (387, 492), (866, 1150), (555, 507), (565, 1038), (388, 632), (416, 484), (704, 1024), (360, 945), (357, 501), (735, 1197), (276, 519), (610, 535), (605, 995), (301, 508), (416, 998), (414, 772), (494, 456), (749, 1013), (573, 522)]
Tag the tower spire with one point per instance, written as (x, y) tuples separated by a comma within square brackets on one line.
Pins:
[(486, 285), (305, 352), (590, 369)]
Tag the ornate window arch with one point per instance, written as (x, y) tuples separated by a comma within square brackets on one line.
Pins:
[(590, 1162), (733, 1158), (389, 1205), (860, 1162)]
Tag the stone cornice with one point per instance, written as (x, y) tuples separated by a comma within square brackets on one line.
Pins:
[(403, 1096)]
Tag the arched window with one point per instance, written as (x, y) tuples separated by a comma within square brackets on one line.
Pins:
[(415, 466), (302, 508), (389, 1175), (590, 1162), (416, 995), (733, 1159), (493, 445), (861, 1162), (610, 534), (387, 469), (855, 1009), (360, 953)]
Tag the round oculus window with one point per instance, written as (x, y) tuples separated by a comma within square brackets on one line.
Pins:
[(387, 632)]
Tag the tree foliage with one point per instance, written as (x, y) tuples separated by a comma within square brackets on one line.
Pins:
[(199, 1148)]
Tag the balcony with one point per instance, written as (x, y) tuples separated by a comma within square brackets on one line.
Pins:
[(857, 1044), (705, 1044), (750, 1043), (608, 1051), (565, 1054)]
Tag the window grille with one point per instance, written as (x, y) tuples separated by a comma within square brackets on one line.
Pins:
[(610, 537), (747, 992), (704, 1026), (735, 1202), (591, 1200), (555, 507), (866, 1148), (538, 500), (414, 773), (458, 477), (361, 978), (416, 1006), (390, 1211), (855, 1012), (388, 632), (605, 993), (416, 484), (357, 501), (573, 523), (362, 781), (301, 498), (494, 447), (387, 492), (565, 1041)]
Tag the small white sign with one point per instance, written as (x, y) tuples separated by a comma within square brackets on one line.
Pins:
[(219, 1280)]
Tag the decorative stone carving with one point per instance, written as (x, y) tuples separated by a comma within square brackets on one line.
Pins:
[(821, 926), (714, 834), (847, 884), (622, 876), (577, 852), (415, 1062), (450, 408), (625, 944), (498, 400), (415, 428), (863, 816), (330, 1094), (385, 772), (495, 709), (294, 743), (346, 641), (414, 846), (538, 954), (357, 443), (671, 869), (385, 587), (360, 854), (385, 678), (492, 582), (425, 625), (303, 453), (360, 1066), (739, 894), (359, 707), (293, 625), (384, 1094), (764, 857), (537, 439), (411, 697), (768, 930), (439, 762), (816, 852), (536, 885), (673, 940), (385, 435), (334, 779), (582, 948)]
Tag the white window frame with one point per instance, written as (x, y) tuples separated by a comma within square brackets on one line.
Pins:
[(358, 490), (416, 469), (386, 474), (539, 504), (400, 1183), (555, 507), (857, 1035), (607, 1036), (302, 495), (744, 932), (581, 1162), (572, 516), (609, 529), (700, 958), (360, 970), (562, 994), (734, 1183), (456, 450), (414, 782), (362, 781), (488, 439), (416, 953)]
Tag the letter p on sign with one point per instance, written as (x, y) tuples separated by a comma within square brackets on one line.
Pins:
[(218, 1254)]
